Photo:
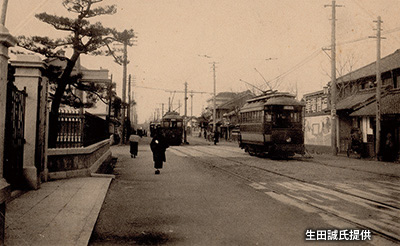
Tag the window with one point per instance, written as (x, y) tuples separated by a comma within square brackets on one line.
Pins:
[(285, 118), (267, 117), (165, 124)]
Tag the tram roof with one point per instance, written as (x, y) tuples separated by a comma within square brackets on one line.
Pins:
[(172, 115), (259, 102), (283, 100), (266, 96)]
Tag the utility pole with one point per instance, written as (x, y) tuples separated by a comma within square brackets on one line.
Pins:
[(110, 98), (133, 112), (333, 79), (79, 92), (162, 109), (214, 101), (128, 113), (125, 39), (378, 87), (185, 116), (191, 112), (124, 65), (4, 12)]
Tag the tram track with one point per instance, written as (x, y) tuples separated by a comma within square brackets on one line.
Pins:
[(312, 160), (376, 203)]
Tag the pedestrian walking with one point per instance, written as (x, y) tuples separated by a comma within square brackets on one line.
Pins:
[(216, 137), (134, 144), (158, 146), (388, 153)]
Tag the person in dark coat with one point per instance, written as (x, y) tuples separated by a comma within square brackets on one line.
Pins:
[(158, 146), (216, 137), (134, 142)]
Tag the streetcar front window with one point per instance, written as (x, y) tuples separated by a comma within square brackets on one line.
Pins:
[(285, 118), (179, 124), (166, 124)]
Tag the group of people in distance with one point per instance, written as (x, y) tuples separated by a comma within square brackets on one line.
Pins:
[(158, 146)]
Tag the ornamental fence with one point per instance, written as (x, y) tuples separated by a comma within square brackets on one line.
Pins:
[(76, 130)]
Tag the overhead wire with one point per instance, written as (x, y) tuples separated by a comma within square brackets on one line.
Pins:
[(297, 66), (28, 16)]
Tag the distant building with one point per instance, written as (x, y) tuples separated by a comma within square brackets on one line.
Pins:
[(98, 76), (227, 111)]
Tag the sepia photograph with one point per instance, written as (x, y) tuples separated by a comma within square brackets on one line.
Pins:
[(199, 122)]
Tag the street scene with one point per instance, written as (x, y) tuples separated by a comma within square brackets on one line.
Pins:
[(218, 195), (199, 122)]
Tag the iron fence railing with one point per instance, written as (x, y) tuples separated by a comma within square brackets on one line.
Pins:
[(76, 130), (95, 129)]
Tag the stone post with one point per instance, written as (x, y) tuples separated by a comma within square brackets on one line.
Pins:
[(28, 74), (6, 41)]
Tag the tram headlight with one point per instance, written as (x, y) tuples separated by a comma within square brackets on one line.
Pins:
[(289, 139)]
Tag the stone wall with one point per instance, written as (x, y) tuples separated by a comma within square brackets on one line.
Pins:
[(74, 162)]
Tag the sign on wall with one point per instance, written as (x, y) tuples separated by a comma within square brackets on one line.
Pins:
[(318, 130)]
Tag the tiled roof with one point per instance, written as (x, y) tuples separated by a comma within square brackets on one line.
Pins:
[(388, 63), (390, 104), (355, 100)]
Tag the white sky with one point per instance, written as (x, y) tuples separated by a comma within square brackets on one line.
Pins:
[(240, 35)]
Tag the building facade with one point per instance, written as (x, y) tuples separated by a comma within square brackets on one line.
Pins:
[(356, 108)]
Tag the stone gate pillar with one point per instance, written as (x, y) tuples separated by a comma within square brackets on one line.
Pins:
[(28, 74), (6, 41)]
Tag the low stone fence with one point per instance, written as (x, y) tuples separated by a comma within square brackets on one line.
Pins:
[(75, 162)]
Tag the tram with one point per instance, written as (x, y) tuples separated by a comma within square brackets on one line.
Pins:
[(272, 124), (172, 128)]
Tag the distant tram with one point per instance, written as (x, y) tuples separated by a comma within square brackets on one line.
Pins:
[(172, 127), (272, 124)]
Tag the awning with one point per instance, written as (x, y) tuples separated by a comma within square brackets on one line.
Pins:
[(354, 100), (390, 105)]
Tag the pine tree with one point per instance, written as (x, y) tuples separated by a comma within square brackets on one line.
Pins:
[(83, 38)]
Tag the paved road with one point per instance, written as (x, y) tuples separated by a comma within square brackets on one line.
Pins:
[(218, 195)]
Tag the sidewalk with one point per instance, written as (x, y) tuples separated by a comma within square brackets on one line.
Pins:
[(61, 212)]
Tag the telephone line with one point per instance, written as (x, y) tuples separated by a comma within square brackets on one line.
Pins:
[(167, 90)]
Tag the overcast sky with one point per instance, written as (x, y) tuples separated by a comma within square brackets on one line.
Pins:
[(280, 40)]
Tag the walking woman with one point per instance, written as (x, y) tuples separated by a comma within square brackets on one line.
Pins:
[(134, 142), (158, 146)]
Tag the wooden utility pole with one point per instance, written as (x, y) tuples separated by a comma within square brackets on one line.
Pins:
[(79, 92), (124, 68), (4, 12), (191, 112), (334, 134), (110, 97), (214, 101), (185, 116), (128, 113), (378, 87)]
